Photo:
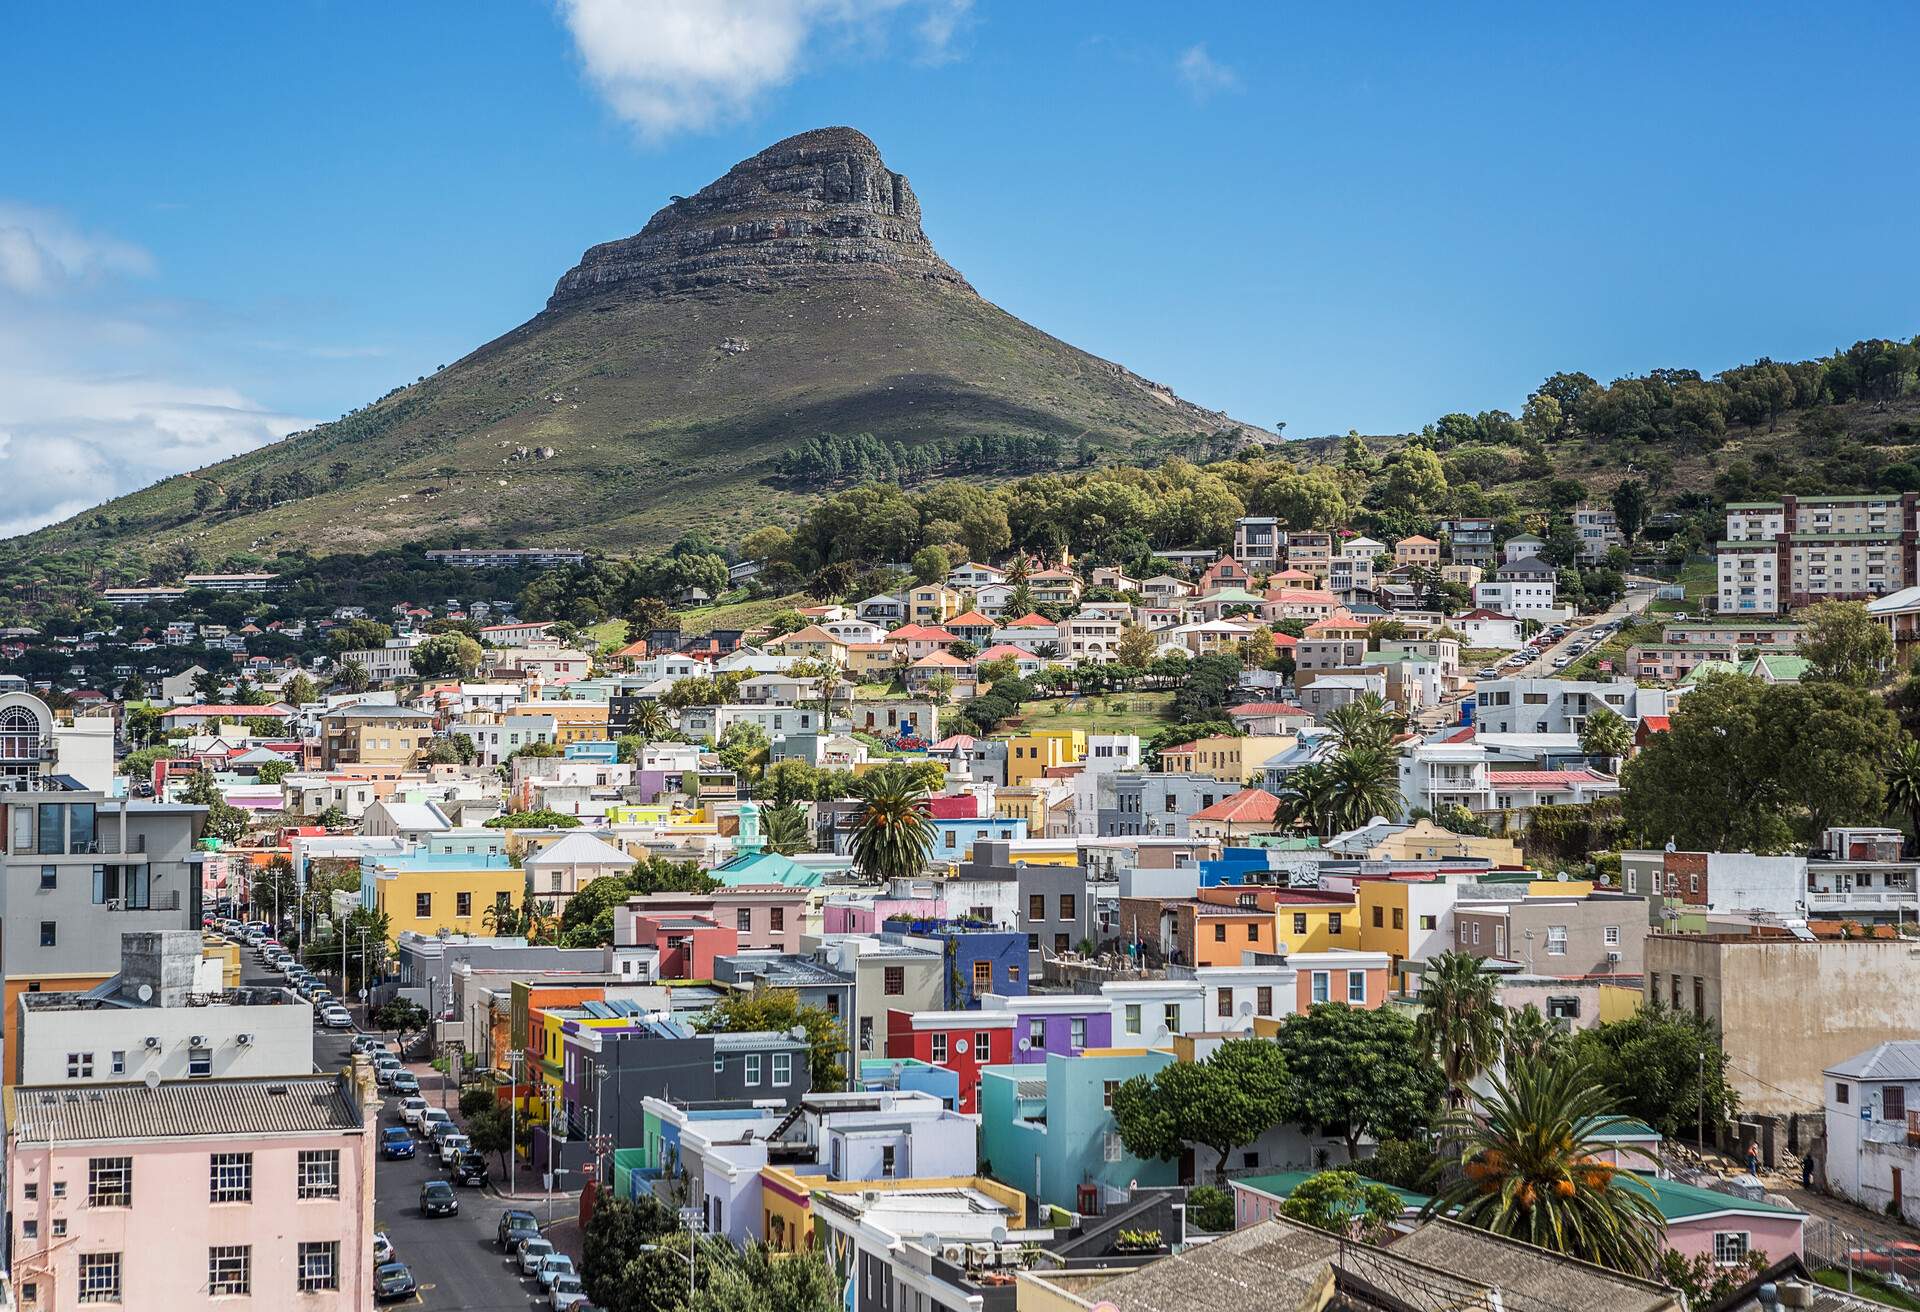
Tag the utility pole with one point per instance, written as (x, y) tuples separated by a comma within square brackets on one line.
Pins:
[(514, 1059), (1700, 1130)]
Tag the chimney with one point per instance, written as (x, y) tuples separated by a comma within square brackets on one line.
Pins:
[(163, 960)]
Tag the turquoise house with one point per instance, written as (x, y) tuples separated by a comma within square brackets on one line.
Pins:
[(1049, 1130)]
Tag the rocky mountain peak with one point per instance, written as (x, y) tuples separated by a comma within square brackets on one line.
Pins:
[(819, 205)]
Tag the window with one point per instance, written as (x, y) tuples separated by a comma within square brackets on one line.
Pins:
[(109, 1182), (1563, 1009), (1612, 936), (79, 1065), (199, 1062), (1066, 906), (1556, 940), (1111, 1147), (895, 981), (1893, 1103), (1322, 986), (753, 1068), (1729, 1247), (982, 976), (1264, 1000), (49, 876), (1172, 1014), (782, 1069), (939, 1048), (503, 901), (99, 1277), (887, 1154), (983, 1046), (230, 1270), (319, 1266), (1013, 974), (49, 936), (1379, 917), (53, 829), (29, 1229), (1463, 931), (320, 1173), (866, 1034), (463, 905), (423, 905), (1399, 918), (231, 1179), (743, 920), (30, 1292), (1077, 1032), (1106, 1092), (1061, 944), (118, 1063), (777, 918), (1033, 942), (30, 1191), (1476, 933), (719, 1063), (1333, 923), (1842, 1094), (1699, 997), (1219, 931), (1357, 987), (59, 1227), (1299, 922), (1223, 1002), (1036, 1032), (60, 1187), (1133, 1018)]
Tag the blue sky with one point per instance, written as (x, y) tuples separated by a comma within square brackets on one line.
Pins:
[(222, 221)]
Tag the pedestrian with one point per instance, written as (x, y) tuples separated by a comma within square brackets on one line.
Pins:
[(1806, 1172), (1753, 1157)]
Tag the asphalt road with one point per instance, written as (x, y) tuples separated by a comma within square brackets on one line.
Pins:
[(453, 1259)]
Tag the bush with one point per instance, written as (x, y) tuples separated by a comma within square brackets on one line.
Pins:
[(1401, 1162), (1210, 1208), (475, 1099)]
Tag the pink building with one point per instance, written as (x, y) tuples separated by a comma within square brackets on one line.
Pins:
[(769, 917), (687, 943), (180, 1194), (867, 915)]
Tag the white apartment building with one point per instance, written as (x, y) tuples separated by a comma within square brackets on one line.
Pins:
[(1526, 705), (1782, 554), (1259, 543), (1598, 531)]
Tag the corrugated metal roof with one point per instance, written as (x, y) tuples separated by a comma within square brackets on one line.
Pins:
[(184, 1109), (1896, 1060)]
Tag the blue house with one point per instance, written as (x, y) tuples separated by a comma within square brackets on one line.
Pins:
[(1049, 1130), (600, 753), (910, 1075), (980, 960), (954, 839)]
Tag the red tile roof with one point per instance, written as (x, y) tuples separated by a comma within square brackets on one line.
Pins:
[(1003, 651), (965, 806), (920, 633), (1266, 708), (1545, 778), (973, 619), (1655, 723), (1033, 619), (1248, 806)]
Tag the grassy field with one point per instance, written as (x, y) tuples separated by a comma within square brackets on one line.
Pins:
[(1867, 1285), (1697, 576), (739, 614), (1143, 713)]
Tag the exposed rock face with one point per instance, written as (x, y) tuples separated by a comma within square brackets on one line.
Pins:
[(819, 205)]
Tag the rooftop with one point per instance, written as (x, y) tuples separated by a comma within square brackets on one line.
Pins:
[(267, 1105)]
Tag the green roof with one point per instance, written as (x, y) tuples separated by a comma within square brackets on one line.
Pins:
[(1777, 666), (1706, 669), (1281, 1184), (765, 868), (1686, 1202), (1756, 505)]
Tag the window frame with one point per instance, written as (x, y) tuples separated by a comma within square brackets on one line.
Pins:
[(307, 1184), (237, 1185), (113, 1266), (237, 1286), (101, 1171), (309, 1277)]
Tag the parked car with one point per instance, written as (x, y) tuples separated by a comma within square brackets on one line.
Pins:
[(1487, 673), (396, 1143), (382, 1248), (405, 1083), (435, 1122), (511, 1219), (336, 1018), (471, 1169), (552, 1267), (566, 1292), (531, 1253), (392, 1281), (437, 1199), (451, 1144), (411, 1108)]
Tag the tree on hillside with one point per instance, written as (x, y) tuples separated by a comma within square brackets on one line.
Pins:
[(1661, 1066), (931, 565), (1533, 1166), (1460, 1018), (1222, 1103), (1359, 1074), (1630, 504), (1363, 786), (447, 656), (1346, 1204), (1844, 643)]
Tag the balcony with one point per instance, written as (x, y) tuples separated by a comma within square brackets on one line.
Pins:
[(1891, 899), (168, 901)]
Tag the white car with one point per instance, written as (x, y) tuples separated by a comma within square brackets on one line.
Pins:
[(1561, 662), (336, 1018), (411, 1110), (382, 1248), (452, 1144), (532, 1253), (435, 1122)]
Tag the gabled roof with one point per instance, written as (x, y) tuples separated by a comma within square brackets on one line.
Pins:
[(920, 633), (812, 633), (1895, 1060), (266, 1105), (1033, 619), (1005, 651), (973, 619), (1484, 614), (1545, 778), (937, 659), (1248, 806), (1267, 708), (578, 848)]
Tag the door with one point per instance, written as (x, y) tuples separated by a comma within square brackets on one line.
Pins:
[(1899, 1200)]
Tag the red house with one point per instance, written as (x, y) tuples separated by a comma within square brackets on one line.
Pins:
[(687, 943), (961, 1041)]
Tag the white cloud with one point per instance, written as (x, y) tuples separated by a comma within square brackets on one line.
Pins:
[(669, 66), (42, 254), (95, 400), (1203, 75)]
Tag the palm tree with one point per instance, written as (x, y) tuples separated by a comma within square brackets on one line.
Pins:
[(1606, 734), (502, 920), (650, 720), (785, 829), (1903, 781), (1364, 784), (1530, 1036), (1459, 1021), (1306, 798), (893, 832), (1366, 721), (1531, 1167)]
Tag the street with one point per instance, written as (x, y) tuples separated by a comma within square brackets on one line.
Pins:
[(453, 1259)]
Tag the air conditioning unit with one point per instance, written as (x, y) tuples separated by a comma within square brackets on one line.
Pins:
[(953, 1252), (153, 1042), (244, 1040), (983, 1254), (197, 1041)]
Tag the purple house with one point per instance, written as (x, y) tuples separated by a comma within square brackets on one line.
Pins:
[(1068, 1024)]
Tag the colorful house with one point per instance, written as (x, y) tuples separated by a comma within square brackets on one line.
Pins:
[(429, 891), (1031, 755), (979, 960), (1066, 1024), (1190, 932), (687, 943), (1227, 757), (1305, 919), (1050, 1126), (965, 1042), (812, 643), (1248, 812)]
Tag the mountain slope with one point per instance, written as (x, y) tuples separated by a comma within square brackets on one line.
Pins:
[(795, 295)]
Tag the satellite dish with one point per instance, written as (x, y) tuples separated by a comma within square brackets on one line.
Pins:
[(930, 1241), (1562, 876), (1026, 1045), (145, 992), (151, 1079), (1246, 1009), (999, 1234)]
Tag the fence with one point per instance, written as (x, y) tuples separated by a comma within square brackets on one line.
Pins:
[(1830, 1244)]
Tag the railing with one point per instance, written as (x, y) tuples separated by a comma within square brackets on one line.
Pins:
[(1896, 897), (168, 901)]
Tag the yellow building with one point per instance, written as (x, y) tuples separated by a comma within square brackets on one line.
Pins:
[(628, 813), (934, 603), (1316, 926), (427, 894), (873, 662), (1225, 757), (1426, 841), (812, 643), (787, 1199), (1022, 803), (1031, 755), (364, 734), (573, 722), (216, 948)]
